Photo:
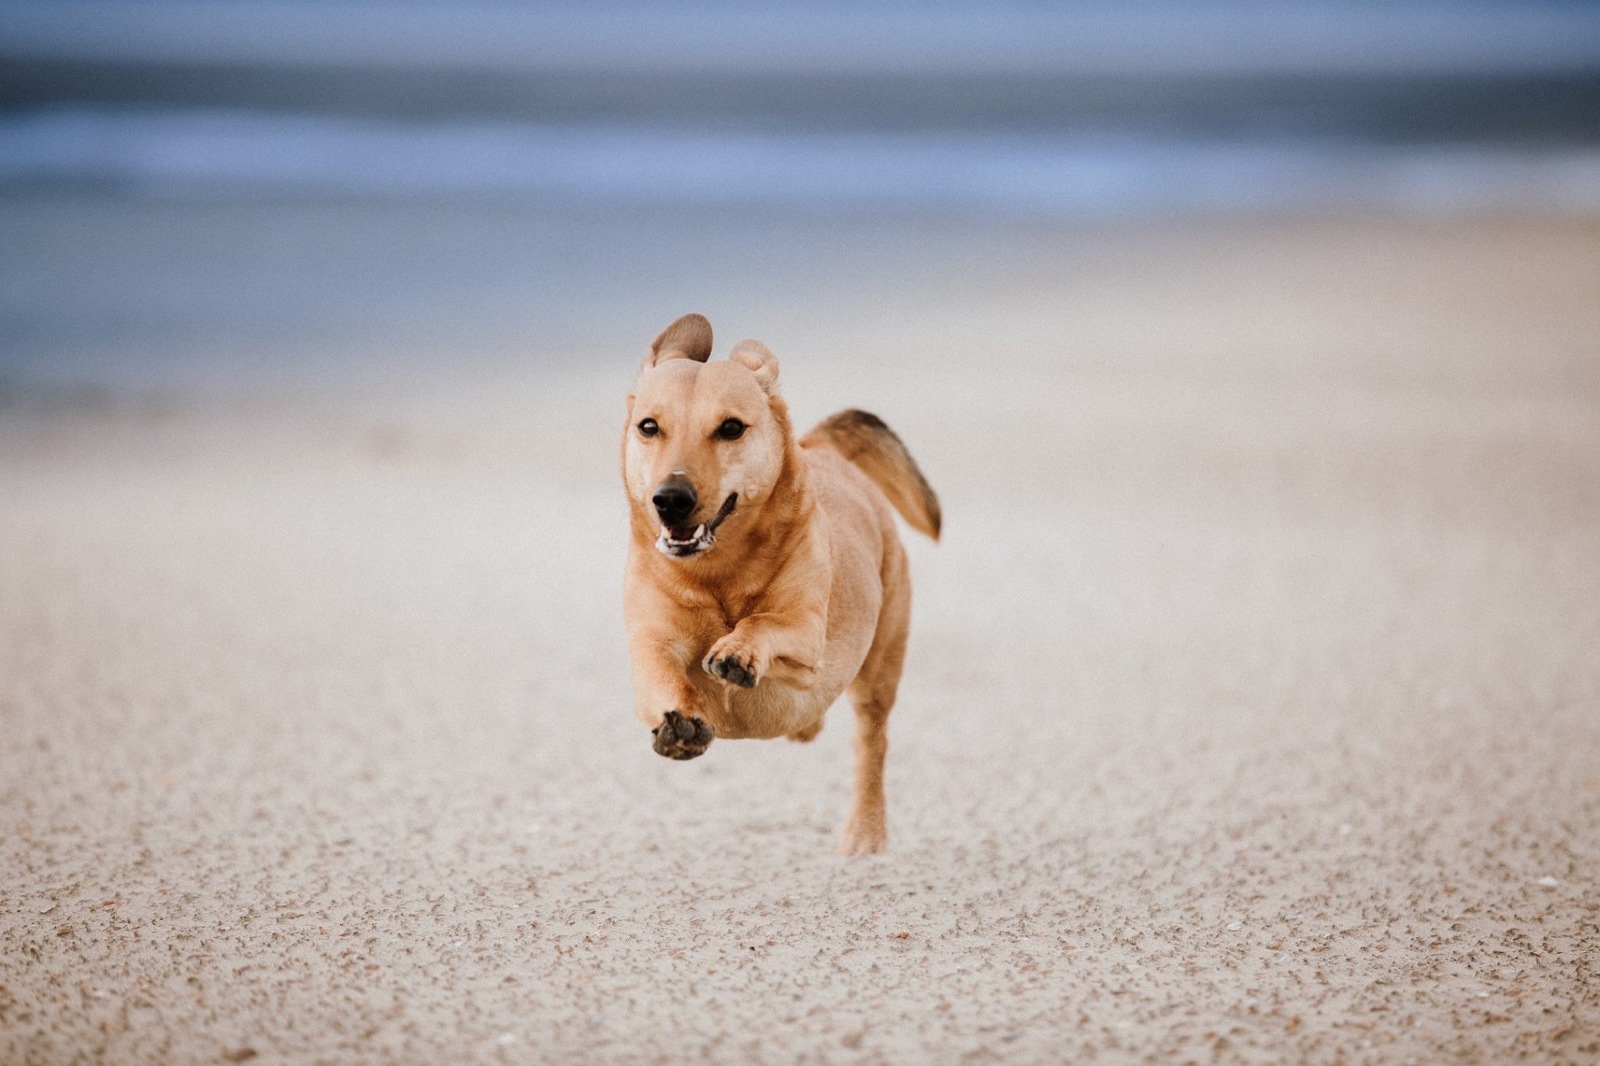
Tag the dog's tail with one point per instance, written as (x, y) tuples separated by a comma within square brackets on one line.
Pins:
[(872, 446)]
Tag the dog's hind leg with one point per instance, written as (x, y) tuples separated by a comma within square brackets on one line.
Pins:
[(872, 692)]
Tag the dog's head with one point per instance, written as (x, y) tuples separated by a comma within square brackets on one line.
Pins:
[(705, 442)]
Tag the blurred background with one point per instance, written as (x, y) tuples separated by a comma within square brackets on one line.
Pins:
[(192, 190)]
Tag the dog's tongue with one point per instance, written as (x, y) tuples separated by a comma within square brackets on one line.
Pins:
[(682, 533)]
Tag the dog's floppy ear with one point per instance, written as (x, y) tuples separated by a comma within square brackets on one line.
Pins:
[(687, 338), (759, 358)]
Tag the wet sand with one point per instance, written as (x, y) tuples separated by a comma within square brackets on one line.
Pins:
[(1252, 711)]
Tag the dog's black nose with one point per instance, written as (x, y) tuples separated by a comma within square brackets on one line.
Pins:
[(675, 500)]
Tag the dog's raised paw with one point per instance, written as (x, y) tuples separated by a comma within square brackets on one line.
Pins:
[(731, 670), (678, 737)]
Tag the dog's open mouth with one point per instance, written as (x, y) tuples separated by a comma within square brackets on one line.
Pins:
[(681, 542)]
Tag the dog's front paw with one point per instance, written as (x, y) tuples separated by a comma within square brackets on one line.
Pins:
[(680, 738), (734, 664)]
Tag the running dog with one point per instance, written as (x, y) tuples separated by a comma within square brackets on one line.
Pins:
[(765, 575)]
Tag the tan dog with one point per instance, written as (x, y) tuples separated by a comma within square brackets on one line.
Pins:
[(765, 575)]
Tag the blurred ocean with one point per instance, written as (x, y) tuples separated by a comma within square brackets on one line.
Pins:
[(1075, 110), (198, 184), (1094, 174)]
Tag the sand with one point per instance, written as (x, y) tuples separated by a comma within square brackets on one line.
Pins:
[(1252, 711)]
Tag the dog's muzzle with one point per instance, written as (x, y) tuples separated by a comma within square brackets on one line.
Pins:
[(680, 543)]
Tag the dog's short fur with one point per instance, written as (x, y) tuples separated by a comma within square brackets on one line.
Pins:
[(765, 575)]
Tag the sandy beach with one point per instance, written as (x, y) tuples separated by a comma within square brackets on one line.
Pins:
[(1252, 711)]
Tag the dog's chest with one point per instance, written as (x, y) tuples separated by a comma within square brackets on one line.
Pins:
[(771, 709)]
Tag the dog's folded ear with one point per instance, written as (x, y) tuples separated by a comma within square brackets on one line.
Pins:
[(759, 358), (687, 338)]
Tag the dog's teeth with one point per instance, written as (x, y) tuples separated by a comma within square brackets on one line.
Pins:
[(701, 532)]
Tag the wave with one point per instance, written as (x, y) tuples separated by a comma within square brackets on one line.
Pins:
[(184, 152)]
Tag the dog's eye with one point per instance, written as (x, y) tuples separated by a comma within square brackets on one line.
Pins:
[(732, 429), (648, 428)]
